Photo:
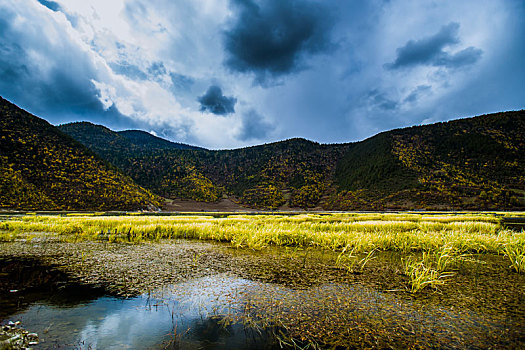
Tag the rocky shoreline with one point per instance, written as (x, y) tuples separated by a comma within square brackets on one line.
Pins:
[(14, 336)]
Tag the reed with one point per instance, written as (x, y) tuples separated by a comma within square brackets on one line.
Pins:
[(516, 255), (356, 232), (351, 262), (433, 269), (422, 274), (7, 236)]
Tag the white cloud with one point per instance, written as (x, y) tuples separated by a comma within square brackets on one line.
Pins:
[(152, 59)]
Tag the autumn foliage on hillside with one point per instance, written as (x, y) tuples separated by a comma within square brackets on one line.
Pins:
[(474, 163), (42, 168), (295, 172)]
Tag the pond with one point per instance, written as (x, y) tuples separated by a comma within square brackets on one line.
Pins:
[(187, 294), (70, 320)]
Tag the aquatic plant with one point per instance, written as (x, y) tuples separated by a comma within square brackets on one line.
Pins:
[(351, 262), (7, 236), (332, 311), (516, 255), (423, 274), (432, 269), (405, 232)]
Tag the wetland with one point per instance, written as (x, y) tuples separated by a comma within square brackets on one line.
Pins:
[(356, 281)]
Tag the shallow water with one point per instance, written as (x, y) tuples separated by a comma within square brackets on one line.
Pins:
[(253, 296), (191, 321)]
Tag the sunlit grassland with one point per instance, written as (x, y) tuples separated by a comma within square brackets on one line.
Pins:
[(359, 232), (442, 238)]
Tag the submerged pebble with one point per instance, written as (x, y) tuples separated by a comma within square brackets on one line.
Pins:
[(13, 336)]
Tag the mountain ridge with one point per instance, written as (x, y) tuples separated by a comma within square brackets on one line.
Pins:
[(460, 160), (446, 165), (45, 169), (473, 163)]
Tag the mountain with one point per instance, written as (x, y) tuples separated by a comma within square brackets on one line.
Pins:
[(117, 144), (291, 173), (45, 169), (295, 172), (142, 139), (473, 163)]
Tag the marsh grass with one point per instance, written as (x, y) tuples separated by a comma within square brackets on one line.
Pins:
[(422, 276), (441, 241), (433, 269), (516, 255), (351, 262), (356, 233), (8, 236)]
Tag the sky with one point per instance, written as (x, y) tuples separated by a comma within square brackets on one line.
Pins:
[(233, 73)]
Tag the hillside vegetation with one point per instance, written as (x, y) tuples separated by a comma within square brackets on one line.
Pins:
[(473, 163), (295, 172), (119, 144), (42, 168)]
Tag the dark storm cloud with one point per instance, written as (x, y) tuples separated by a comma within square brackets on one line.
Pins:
[(63, 90), (430, 51), (270, 39), (254, 127), (12, 59), (381, 100), (465, 57), (53, 6), (343, 93), (57, 90), (215, 102)]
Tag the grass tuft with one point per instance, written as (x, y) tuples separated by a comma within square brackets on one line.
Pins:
[(432, 269), (423, 274), (516, 255)]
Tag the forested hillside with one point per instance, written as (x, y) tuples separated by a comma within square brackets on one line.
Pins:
[(42, 168), (296, 172), (474, 163), (115, 145)]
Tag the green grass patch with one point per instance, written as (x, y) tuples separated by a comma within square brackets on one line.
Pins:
[(356, 232)]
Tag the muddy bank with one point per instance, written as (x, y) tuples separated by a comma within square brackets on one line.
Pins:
[(188, 205), (133, 269)]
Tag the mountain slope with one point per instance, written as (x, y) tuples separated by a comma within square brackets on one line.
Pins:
[(42, 168), (113, 145), (294, 172), (472, 163), (142, 139)]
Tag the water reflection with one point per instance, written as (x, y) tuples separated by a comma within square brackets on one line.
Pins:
[(25, 281), (226, 312), (186, 316), (481, 308)]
